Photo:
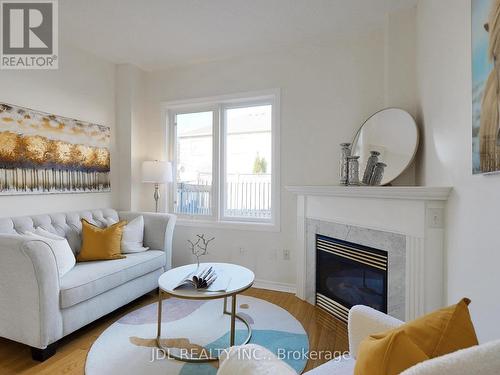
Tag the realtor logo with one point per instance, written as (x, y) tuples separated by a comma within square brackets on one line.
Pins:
[(29, 37)]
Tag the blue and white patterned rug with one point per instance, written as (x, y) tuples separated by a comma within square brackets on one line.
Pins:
[(129, 347)]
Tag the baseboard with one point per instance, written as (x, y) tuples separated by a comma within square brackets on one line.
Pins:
[(274, 285)]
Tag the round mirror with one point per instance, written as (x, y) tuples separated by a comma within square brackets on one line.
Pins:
[(394, 134)]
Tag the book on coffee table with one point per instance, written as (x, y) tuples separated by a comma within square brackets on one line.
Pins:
[(205, 279)]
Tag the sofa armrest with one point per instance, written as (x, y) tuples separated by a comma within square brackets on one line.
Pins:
[(158, 231), (365, 321), (29, 292)]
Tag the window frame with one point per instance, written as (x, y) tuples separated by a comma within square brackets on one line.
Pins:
[(219, 104)]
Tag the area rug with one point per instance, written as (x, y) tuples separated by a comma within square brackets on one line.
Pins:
[(128, 346)]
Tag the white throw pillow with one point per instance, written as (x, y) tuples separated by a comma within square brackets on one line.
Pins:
[(45, 233), (65, 259), (133, 236)]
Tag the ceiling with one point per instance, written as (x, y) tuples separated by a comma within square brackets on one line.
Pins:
[(156, 34)]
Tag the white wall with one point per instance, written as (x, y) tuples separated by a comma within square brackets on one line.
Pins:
[(326, 93), (130, 114), (473, 243), (400, 71), (82, 88), (401, 60)]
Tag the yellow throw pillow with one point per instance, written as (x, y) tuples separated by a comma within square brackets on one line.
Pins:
[(387, 354), (438, 333), (459, 332), (101, 243), (443, 331)]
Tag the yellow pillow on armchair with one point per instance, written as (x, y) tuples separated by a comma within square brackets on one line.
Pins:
[(388, 353), (438, 333), (101, 243)]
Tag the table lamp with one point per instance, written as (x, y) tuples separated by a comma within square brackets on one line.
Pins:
[(156, 172)]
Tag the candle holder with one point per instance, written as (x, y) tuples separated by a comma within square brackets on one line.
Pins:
[(353, 170), (344, 171)]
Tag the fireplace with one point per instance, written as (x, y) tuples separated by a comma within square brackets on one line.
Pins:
[(349, 274)]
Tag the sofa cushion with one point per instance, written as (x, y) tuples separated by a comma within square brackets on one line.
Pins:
[(133, 236), (89, 279)]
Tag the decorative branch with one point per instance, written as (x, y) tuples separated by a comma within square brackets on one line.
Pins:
[(198, 249)]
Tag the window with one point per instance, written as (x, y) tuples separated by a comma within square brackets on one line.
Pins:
[(225, 154), (248, 156), (193, 144)]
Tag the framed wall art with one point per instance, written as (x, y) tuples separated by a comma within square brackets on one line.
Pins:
[(43, 153), (485, 86)]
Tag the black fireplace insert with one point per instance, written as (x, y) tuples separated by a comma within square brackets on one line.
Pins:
[(349, 274)]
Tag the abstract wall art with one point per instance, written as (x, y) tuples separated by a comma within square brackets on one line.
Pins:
[(485, 86), (42, 153)]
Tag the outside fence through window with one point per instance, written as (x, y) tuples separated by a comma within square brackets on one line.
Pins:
[(224, 162)]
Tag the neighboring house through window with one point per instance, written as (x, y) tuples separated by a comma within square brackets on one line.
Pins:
[(225, 154)]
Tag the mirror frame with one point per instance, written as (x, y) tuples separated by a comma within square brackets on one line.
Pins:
[(417, 144)]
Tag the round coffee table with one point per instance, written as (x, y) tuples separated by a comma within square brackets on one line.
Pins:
[(241, 279)]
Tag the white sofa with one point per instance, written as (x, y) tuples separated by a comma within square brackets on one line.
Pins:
[(363, 321), (37, 308)]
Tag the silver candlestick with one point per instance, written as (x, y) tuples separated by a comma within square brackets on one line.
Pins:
[(345, 153), (370, 166), (353, 174), (378, 174)]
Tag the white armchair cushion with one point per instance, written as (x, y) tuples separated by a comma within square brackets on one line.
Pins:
[(64, 257), (252, 359), (477, 360), (337, 366), (133, 236)]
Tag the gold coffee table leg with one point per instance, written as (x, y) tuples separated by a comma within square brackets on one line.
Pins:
[(160, 301), (204, 358), (233, 320)]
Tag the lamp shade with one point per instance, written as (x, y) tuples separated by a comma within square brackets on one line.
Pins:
[(156, 172)]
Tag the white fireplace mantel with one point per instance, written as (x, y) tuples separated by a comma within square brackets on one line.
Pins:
[(417, 213), (430, 193)]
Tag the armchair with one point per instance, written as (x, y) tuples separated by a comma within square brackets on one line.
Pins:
[(364, 321)]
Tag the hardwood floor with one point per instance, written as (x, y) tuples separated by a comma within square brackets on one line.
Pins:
[(325, 334)]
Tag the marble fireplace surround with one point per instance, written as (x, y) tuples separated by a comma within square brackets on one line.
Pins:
[(393, 243), (407, 222)]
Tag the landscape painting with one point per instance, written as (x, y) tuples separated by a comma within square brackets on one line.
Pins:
[(485, 86), (42, 153)]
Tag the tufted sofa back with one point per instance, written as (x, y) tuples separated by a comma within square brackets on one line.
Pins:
[(66, 224)]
